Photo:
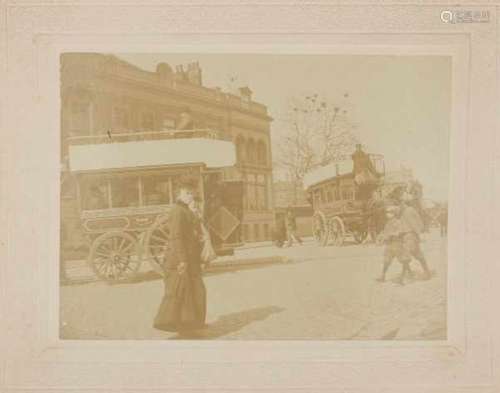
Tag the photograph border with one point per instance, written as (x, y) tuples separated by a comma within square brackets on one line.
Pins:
[(36, 358)]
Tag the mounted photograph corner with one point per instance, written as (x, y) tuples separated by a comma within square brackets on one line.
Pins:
[(254, 196)]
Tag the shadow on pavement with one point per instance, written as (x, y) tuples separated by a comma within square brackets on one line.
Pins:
[(231, 323)]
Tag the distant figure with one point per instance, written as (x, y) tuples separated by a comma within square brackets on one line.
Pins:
[(365, 175), (291, 228), (280, 235), (363, 169), (443, 221), (185, 120)]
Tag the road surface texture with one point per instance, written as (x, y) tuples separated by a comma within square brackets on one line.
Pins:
[(319, 293)]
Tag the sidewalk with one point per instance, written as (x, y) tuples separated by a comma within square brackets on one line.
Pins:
[(79, 272)]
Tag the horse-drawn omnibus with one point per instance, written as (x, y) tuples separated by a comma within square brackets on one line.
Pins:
[(126, 185), (343, 207)]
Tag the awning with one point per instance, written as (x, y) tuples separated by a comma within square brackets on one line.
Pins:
[(320, 174), (153, 153)]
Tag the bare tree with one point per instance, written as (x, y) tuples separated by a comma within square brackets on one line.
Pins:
[(319, 133)]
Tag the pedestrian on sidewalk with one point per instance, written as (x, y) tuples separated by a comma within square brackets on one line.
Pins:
[(291, 228), (183, 307), (279, 233)]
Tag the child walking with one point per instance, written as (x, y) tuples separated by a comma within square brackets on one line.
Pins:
[(393, 239)]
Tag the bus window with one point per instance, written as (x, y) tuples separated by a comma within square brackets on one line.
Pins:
[(317, 197), (347, 193), (125, 191), (95, 194), (335, 193), (156, 190), (329, 195)]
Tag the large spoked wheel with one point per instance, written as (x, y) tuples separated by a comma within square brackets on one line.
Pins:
[(114, 256), (336, 231), (359, 235), (320, 230), (157, 240)]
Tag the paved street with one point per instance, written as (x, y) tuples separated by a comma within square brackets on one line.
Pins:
[(320, 293)]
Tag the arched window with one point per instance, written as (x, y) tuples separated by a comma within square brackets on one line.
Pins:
[(262, 153), (241, 149), (251, 150)]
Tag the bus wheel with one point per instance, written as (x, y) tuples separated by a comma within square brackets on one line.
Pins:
[(336, 231), (320, 230), (115, 256), (359, 235)]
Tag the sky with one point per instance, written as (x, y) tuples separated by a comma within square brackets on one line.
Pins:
[(400, 104)]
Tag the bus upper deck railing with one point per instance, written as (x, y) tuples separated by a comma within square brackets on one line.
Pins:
[(112, 137)]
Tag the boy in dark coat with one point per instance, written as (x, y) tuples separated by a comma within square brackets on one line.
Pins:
[(183, 307)]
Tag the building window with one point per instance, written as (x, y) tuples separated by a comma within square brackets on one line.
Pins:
[(256, 232), (256, 191), (80, 118), (251, 156), (262, 196), (266, 231), (241, 149), (250, 196), (148, 121), (168, 124), (261, 153), (121, 119)]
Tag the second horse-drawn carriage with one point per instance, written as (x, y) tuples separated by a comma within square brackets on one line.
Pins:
[(349, 200), (126, 187)]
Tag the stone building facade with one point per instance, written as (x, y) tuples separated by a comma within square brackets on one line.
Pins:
[(104, 95)]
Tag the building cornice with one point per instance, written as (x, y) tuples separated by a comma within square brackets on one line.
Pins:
[(103, 66)]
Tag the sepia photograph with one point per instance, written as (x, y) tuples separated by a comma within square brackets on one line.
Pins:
[(254, 196), (233, 196)]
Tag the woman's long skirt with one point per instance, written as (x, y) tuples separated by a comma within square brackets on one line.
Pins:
[(184, 303)]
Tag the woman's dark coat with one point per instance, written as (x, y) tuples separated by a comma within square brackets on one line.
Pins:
[(183, 306)]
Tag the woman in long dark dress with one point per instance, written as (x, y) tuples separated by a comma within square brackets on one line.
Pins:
[(183, 307)]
